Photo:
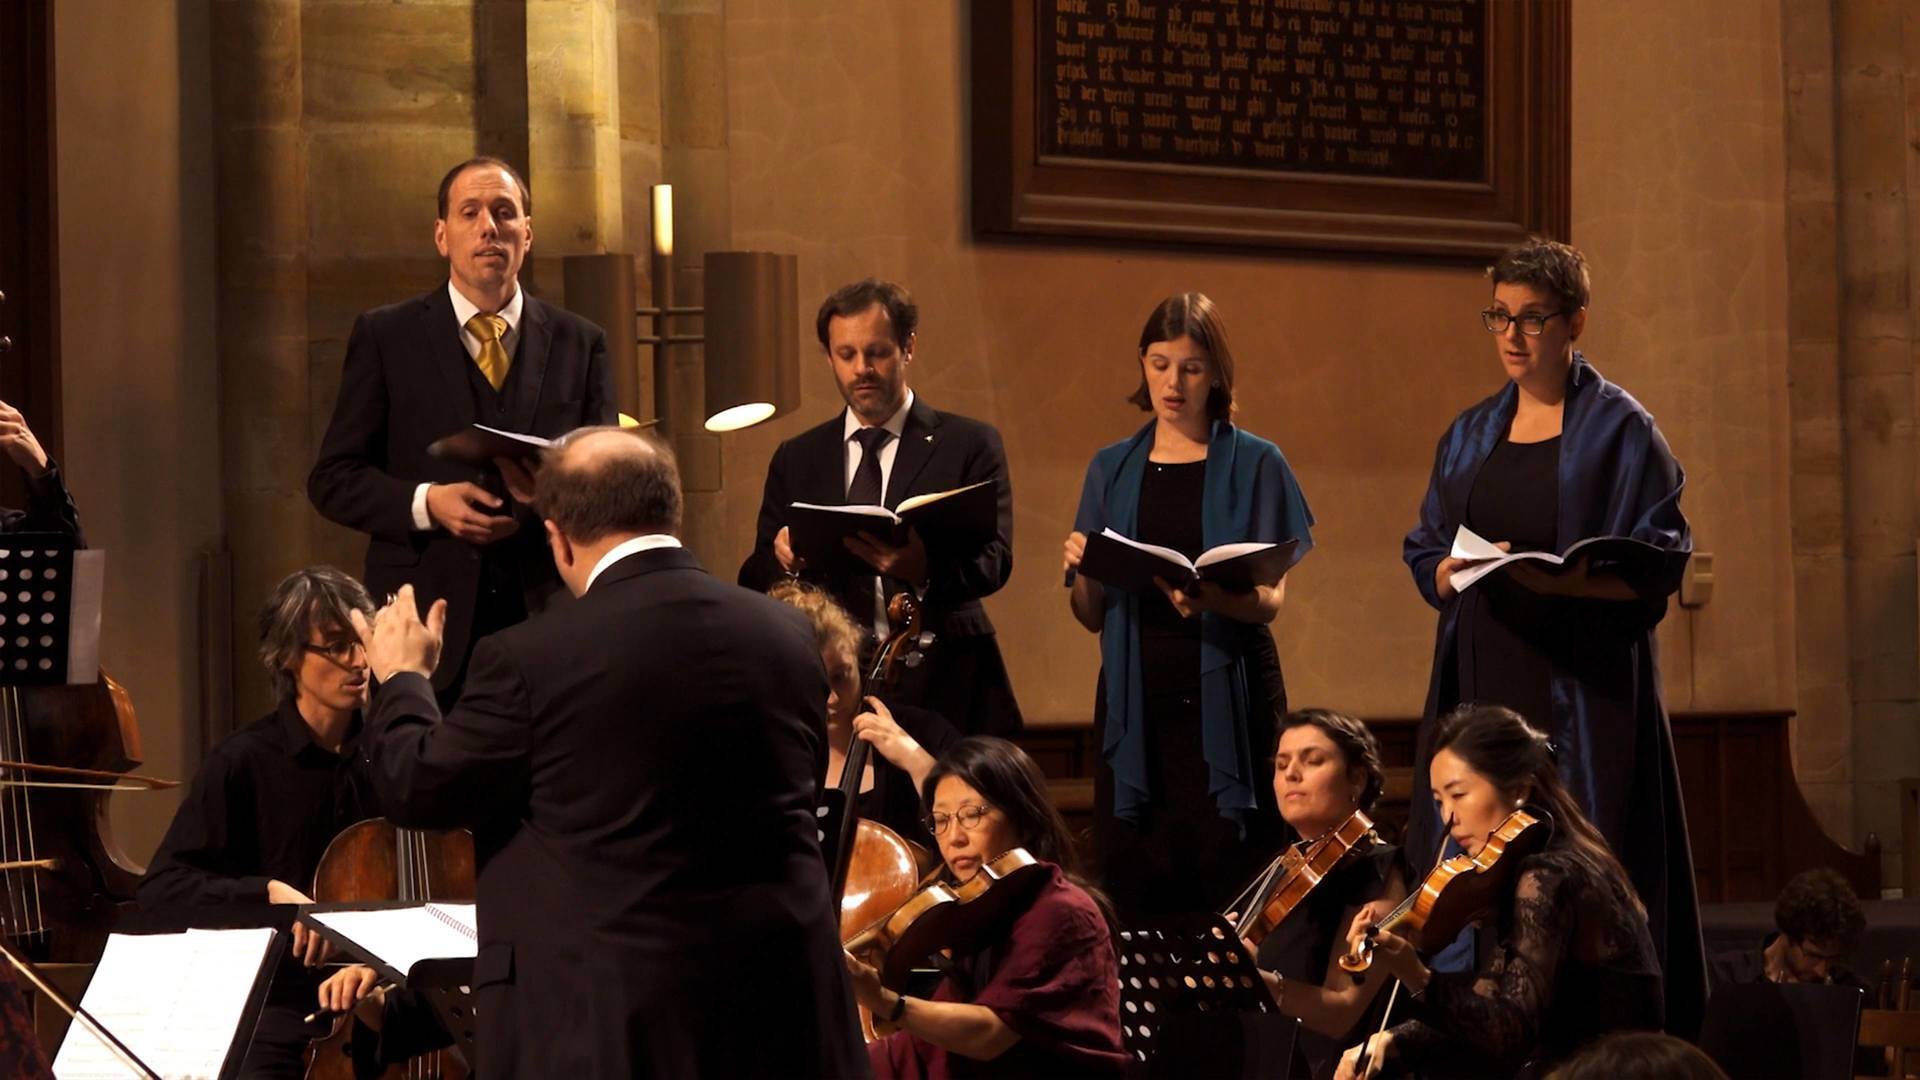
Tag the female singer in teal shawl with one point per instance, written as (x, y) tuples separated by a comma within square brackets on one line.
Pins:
[(1615, 477), (1248, 495)]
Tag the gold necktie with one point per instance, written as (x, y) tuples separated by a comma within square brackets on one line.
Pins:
[(493, 360)]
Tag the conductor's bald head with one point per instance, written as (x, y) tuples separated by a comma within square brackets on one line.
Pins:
[(601, 486)]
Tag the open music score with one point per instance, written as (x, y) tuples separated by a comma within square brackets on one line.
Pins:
[(185, 1003), (397, 938), (1385, 88)]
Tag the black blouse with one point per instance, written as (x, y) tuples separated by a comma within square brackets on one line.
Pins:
[(1301, 947), (1571, 960)]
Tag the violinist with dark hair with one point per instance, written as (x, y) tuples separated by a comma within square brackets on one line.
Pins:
[(1326, 769), (1569, 957), (1039, 997)]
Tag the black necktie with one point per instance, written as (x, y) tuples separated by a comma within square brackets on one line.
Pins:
[(862, 599), (865, 490)]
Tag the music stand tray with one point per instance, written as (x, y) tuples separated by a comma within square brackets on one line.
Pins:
[(1193, 1004)]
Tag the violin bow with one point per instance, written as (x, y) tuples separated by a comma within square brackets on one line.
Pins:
[(67, 776), (1393, 995)]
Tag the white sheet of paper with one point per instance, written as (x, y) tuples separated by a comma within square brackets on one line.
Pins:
[(402, 937), (1486, 558), (175, 1000)]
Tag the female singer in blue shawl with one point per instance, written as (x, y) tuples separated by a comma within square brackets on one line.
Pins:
[(1557, 456), (1190, 683)]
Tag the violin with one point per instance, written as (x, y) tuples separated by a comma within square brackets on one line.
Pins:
[(1292, 876), (1458, 891), (374, 860), (875, 870), (959, 917)]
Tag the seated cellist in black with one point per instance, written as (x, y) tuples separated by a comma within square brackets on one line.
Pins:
[(907, 738), (49, 507), (270, 797), (1325, 767), (1567, 956)]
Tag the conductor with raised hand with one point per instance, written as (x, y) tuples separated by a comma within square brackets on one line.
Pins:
[(639, 768)]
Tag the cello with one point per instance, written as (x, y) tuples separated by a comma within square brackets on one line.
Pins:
[(375, 860), (875, 870)]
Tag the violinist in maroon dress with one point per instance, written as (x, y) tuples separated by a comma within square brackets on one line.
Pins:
[(1044, 999)]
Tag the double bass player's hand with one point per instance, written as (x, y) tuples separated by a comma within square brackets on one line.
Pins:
[(397, 640)]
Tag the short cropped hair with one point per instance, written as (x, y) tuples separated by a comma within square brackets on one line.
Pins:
[(850, 300), (630, 492), (1819, 905), (1192, 315), (317, 598), (446, 182), (1357, 745), (1550, 266)]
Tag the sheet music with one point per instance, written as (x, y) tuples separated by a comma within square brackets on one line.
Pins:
[(175, 1000), (402, 937)]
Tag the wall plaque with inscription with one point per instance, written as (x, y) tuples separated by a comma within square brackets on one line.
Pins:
[(1433, 127)]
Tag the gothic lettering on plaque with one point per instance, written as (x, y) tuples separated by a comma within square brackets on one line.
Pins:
[(1386, 88)]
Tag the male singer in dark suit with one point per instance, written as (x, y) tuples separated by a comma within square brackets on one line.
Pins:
[(477, 349), (885, 446), (640, 769)]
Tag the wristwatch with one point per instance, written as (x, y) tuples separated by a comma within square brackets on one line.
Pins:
[(899, 1007)]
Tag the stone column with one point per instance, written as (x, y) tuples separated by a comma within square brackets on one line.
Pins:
[(1875, 124), (694, 157), (263, 228), (1823, 726)]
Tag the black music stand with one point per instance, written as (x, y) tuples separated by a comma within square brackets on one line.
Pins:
[(50, 596), (446, 985), (1764, 1030), (1193, 1004)]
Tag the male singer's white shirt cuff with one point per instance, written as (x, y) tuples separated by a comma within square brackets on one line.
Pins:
[(422, 520)]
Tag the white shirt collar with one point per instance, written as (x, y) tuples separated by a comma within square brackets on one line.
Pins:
[(895, 423), (645, 542), (464, 309)]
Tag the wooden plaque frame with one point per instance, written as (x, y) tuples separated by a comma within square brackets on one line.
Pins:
[(1018, 192)]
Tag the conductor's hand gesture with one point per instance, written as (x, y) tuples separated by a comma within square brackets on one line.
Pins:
[(397, 640)]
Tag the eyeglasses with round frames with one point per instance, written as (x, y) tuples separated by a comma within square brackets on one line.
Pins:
[(969, 816), (1532, 324)]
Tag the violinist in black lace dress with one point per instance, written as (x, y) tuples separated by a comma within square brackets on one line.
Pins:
[(1566, 957)]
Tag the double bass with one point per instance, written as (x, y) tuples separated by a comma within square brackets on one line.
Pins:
[(62, 872)]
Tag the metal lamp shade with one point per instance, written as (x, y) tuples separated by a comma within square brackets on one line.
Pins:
[(753, 349)]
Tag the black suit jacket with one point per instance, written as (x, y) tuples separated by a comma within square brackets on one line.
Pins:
[(938, 452), (963, 678), (640, 769), (405, 385)]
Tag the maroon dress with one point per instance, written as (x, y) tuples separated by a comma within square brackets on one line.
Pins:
[(1053, 980)]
